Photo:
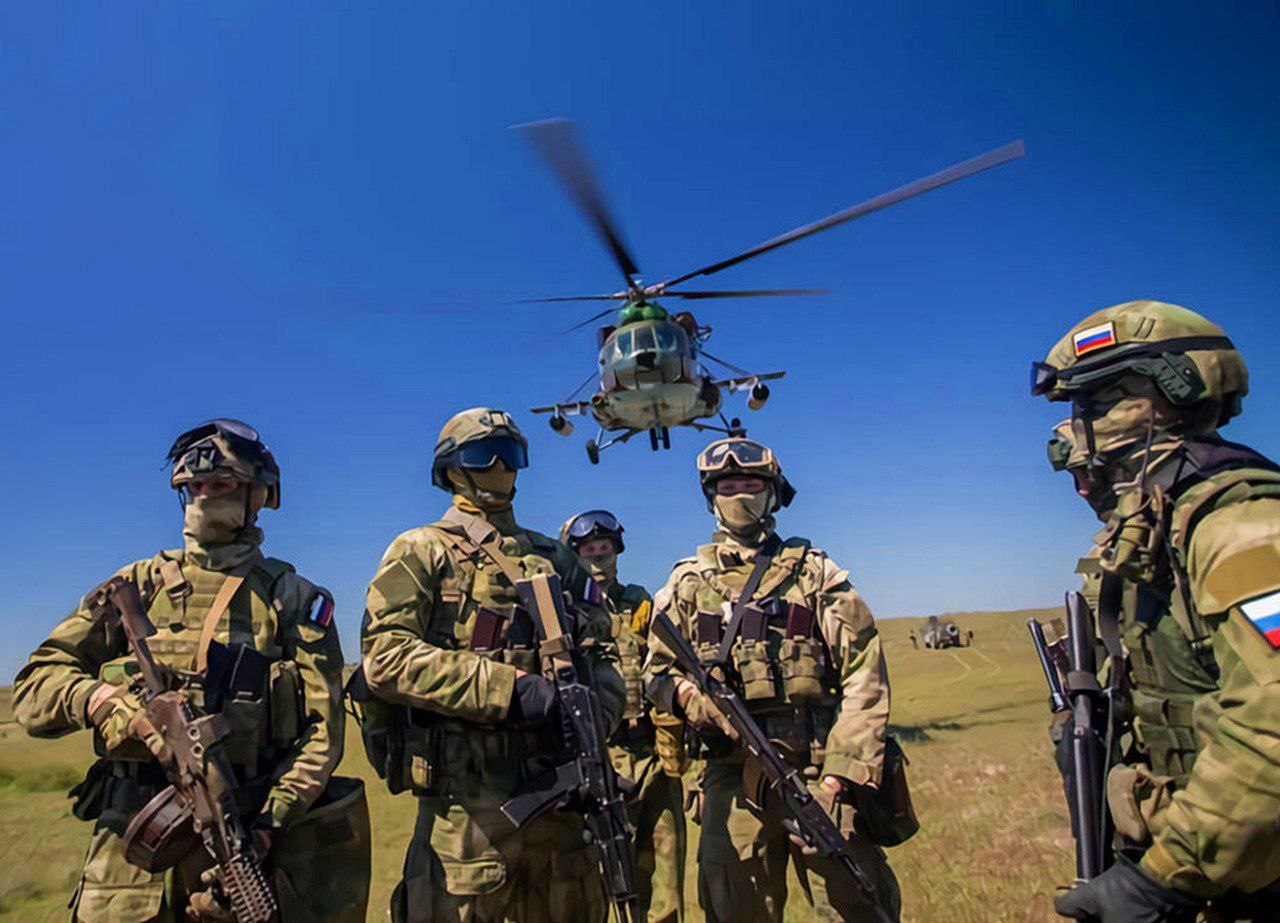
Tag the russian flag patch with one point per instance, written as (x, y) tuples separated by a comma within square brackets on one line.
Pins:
[(1264, 613), (1091, 338), (321, 611)]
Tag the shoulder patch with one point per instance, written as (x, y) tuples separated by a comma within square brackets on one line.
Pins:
[(1263, 613), (321, 611)]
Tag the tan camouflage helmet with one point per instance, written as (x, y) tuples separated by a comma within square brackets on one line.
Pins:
[(1190, 360), (225, 447), (476, 438), (737, 456)]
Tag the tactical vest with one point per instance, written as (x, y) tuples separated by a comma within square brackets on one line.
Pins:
[(474, 607), (261, 697), (1172, 667), (783, 669), (626, 604)]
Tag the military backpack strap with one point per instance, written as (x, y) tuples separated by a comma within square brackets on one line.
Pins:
[(764, 557)]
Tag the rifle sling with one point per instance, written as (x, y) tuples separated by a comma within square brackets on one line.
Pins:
[(481, 536), (764, 557), (221, 601)]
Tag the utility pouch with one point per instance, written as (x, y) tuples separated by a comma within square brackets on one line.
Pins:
[(751, 660), (286, 704), (801, 666), (398, 741), (236, 683), (886, 813)]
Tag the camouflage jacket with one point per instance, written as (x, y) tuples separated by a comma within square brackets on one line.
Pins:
[(419, 639), (818, 665), (278, 613)]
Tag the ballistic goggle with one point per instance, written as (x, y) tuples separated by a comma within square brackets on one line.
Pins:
[(584, 525), (1157, 360), (741, 453), (482, 453)]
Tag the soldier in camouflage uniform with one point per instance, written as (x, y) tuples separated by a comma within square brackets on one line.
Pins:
[(648, 748), (809, 664), (287, 721), (443, 635), (1188, 572)]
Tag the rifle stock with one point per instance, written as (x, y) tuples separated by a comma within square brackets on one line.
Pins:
[(807, 818), (199, 772)]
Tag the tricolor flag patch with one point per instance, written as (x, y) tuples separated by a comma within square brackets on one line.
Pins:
[(1091, 338), (1264, 613), (321, 611)]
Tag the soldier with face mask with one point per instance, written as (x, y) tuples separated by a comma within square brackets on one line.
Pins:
[(276, 669), (808, 663), (648, 748), (1188, 575), (447, 647)]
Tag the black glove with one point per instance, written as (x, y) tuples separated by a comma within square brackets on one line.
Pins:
[(1124, 894), (534, 702)]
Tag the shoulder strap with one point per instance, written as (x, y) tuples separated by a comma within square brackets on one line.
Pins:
[(764, 557), (221, 600), (482, 537)]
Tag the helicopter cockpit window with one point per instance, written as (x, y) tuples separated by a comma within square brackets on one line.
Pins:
[(622, 344), (644, 339)]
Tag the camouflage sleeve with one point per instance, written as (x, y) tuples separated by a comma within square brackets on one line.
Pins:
[(595, 637), (51, 691), (1220, 831), (855, 746), (400, 665), (662, 680), (311, 642)]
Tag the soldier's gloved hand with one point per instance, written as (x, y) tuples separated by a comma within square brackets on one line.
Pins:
[(205, 906), (702, 714), (1124, 894), (534, 702), (119, 715)]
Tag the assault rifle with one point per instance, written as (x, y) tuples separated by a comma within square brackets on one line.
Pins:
[(201, 797), (806, 818), (587, 781)]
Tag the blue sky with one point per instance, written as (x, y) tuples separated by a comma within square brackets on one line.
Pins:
[(313, 218)]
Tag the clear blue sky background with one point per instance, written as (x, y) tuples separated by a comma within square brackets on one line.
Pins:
[(313, 219)]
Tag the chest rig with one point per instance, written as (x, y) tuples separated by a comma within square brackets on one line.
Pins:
[(1172, 669), (755, 616), (629, 611), (217, 640)]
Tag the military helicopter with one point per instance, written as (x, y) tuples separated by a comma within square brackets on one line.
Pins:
[(651, 369)]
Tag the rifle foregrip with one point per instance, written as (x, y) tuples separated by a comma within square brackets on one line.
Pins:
[(252, 900)]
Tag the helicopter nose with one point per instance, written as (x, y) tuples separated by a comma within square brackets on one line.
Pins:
[(647, 359)]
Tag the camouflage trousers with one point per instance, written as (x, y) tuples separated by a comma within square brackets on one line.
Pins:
[(319, 869), (745, 851), (657, 812), (466, 865)]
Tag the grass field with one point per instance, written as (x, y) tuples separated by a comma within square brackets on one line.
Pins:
[(994, 838)]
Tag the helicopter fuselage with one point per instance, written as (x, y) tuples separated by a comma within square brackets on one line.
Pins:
[(650, 378)]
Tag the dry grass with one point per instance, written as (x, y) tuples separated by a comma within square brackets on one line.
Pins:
[(994, 840)]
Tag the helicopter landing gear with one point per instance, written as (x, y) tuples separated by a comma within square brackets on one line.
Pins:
[(659, 438), (593, 452)]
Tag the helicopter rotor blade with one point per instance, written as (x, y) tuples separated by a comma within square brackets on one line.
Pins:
[(743, 293), (616, 296), (949, 175), (589, 321), (558, 143)]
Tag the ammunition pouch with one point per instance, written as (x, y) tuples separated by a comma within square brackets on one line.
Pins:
[(802, 668), (398, 740), (886, 813), (751, 660), (507, 638), (236, 684)]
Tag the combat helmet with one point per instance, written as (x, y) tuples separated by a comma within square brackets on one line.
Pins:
[(585, 526), (738, 455), (224, 447), (1189, 360), (476, 438)]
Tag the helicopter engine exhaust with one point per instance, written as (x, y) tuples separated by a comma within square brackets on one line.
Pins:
[(560, 424), (759, 394)]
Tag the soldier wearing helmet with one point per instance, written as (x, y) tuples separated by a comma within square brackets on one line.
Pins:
[(229, 620), (808, 662), (648, 747), (459, 711), (1188, 573)]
